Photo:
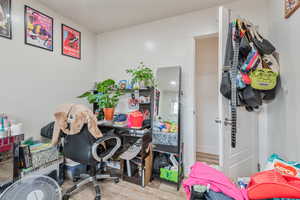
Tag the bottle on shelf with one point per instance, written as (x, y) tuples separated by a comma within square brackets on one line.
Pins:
[(2, 125)]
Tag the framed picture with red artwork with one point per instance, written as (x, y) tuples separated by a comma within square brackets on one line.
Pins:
[(71, 42), (290, 7), (38, 29)]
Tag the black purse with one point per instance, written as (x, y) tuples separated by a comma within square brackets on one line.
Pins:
[(263, 46), (269, 95), (245, 47), (252, 97), (225, 88)]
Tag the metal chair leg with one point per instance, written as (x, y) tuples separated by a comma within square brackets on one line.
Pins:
[(71, 190), (97, 189)]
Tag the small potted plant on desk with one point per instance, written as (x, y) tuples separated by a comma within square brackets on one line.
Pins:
[(107, 96), (142, 77)]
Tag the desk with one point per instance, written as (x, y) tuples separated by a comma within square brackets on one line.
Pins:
[(129, 136), (124, 130), (9, 170)]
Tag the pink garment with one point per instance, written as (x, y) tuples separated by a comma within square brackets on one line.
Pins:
[(202, 174)]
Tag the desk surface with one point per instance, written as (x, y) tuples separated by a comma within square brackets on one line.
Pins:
[(110, 124)]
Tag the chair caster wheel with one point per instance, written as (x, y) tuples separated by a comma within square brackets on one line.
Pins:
[(98, 198), (66, 197), (75, 180), (117, 180)]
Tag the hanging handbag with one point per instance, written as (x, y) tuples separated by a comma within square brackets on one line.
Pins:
[(239, 81), (269, 95), (252, 61), (263, 46), (245, 47), (263, 79), (252, 97), (246, 79), (225, 88), (271, 62)]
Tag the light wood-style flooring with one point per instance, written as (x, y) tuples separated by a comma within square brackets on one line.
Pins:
[(127, 191)]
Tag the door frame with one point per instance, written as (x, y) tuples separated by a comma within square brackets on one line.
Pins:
[(210, 35)]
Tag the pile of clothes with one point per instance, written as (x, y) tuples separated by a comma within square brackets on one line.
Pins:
[(279, 181), (272, 184), (205, 182)]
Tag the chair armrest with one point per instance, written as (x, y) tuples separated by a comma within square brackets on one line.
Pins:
[(112, 151)]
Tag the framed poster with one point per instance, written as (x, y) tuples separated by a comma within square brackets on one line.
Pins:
[(71, 42), (38, 29), (290, 7), (5, 19)]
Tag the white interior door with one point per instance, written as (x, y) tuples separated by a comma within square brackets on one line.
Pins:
[(243, 159)]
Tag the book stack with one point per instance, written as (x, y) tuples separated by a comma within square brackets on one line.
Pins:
[(25, 157)]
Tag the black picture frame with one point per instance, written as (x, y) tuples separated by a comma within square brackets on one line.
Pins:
[(25, 28), (62, 42), (290, 9), (9, 35)]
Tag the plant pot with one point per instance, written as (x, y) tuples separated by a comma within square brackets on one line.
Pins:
[(109, 113), (136, 86), (144, 84)]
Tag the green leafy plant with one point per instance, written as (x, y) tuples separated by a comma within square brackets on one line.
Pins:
[(107, 95), (142, 74)]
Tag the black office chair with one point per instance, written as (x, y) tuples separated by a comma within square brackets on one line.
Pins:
[(85, 149)]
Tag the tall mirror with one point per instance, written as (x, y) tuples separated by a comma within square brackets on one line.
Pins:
[(166, 134)]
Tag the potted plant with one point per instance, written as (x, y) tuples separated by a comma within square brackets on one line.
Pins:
[(142, 76), (107, 96)]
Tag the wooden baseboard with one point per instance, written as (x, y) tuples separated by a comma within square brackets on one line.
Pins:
[(211, 159)]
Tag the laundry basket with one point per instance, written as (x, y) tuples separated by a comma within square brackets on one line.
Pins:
[(272, 184), (170, 139)]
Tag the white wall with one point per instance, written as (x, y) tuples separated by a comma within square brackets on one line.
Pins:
[(170, 42), (283, 113), (34, 81), (206, 92)]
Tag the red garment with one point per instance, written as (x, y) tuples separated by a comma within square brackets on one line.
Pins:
[(202, 174), (272, 184)]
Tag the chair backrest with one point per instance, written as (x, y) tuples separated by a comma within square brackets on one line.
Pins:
[(78, 147)]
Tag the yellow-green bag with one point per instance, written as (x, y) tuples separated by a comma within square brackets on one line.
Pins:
[(263, 79)]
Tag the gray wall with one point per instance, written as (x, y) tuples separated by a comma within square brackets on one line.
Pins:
[(283, 113), (170, 42), (34, 81)]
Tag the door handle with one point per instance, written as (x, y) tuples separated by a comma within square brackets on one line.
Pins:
[(227, 122), (218, 121)]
